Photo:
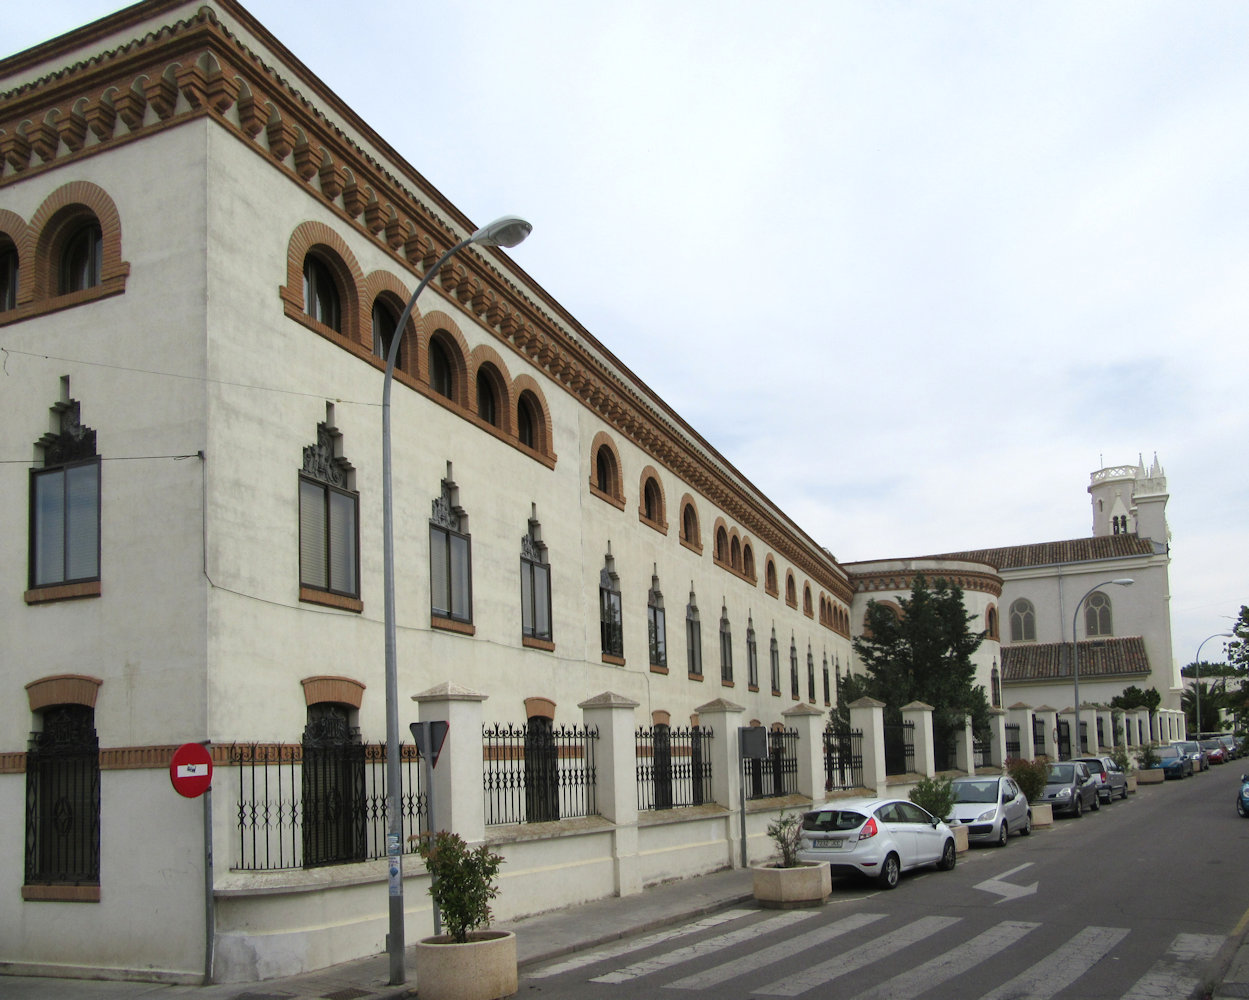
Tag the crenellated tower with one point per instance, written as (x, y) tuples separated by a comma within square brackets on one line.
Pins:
[(1130, 499)]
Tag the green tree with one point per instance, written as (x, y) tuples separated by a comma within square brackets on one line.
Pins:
[(1213, 700), (924, 654), (1133, 697)]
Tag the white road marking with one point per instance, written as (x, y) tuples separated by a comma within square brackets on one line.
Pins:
[(606, 952), (708, 947), (1174, 974), (953, 963), (775, 953), (856, 958), (1062, 967)]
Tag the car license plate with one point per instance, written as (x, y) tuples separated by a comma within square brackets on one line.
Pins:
[(830, 841)]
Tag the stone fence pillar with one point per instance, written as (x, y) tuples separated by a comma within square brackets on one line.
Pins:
[(809, 722), (1021, 716), (723, 718), (997, 737), (965, 748), (867, 715), (616, 781), (458, 802), (1049, 732), (921, 715)]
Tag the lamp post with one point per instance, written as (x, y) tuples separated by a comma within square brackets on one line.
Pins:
[(1075, 648), (1197, 674), (505, 232)]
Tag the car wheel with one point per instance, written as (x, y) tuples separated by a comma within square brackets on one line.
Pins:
[(949, 857), (1240, 806), (1079, 807), (890, 871), (1124, 796), (1027, 826), (1002, 833), (1097, 802)]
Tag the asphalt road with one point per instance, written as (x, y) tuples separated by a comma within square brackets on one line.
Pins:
[(1132, 901)]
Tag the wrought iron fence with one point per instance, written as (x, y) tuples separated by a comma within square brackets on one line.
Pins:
[(1038, 733), (1013, 745), (982, 753), (673, 767), (1064, 740), (843, 759), (304, 806), (944, 750), (899, 748), (536, 773), (776, 774)]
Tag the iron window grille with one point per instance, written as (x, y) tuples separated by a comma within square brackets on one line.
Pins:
[(63, 799)]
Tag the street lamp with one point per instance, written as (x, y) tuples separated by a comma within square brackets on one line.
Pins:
[(1197, 674), (1075, 648), (505, 232)]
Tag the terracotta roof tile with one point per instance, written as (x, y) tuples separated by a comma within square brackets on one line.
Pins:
[(1051, 661), (1053, 553)]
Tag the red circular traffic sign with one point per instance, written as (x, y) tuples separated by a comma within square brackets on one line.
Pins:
[(191, 770)]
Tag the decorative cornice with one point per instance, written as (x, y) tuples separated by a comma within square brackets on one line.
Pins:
[(197, 68), (902, 579)]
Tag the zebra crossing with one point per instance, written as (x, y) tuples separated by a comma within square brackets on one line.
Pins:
[(737, 944)]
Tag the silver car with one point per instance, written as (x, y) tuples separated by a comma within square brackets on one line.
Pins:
[(992, 808), (877, 837), (1111, 780)]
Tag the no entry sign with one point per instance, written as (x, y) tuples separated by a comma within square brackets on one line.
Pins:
[(191, 770)]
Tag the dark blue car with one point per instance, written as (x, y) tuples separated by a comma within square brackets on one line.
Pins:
[(1242, 797), (1175, 763)]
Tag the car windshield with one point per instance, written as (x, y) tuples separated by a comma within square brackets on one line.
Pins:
[(975, 791), (1060, 774), (1166, 752), (1096, 766), (1188, 747), (1211, 745), (832, 819)]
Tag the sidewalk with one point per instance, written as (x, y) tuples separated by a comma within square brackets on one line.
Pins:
[(538, 939)]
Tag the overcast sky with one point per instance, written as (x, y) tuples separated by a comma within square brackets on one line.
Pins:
[(916, 269)]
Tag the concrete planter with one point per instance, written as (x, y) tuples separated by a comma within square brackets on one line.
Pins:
[(484, 968), (1042, 814), (1152, 776), (787, 888), (961, 843), (1131, 783)]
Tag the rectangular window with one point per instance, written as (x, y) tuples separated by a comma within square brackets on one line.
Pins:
[(328, 538), (611, 625), (450, 576), (535, 598), (656, 629), (726, 653), (752, 660), (776, 667), (694, 646), (65, 524)]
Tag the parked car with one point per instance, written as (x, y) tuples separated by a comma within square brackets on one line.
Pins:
[(1195, 753), (880, 838), (1216, 752), (1231, 744), (991, 808), (1069, 788), (1111, 780), (1175, 763), (1242, 797)]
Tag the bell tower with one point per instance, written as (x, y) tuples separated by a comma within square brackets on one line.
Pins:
[(1130, 499)]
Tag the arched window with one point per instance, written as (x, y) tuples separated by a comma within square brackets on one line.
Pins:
[(807, 608), (990, 622), (748, 561), (333, 784), (1022, 621), (321, 296), (770, 583), (441, 372), (791, 591), (81, 258), (1097, 615), (8, 275), (527, 420), (652, 501), (722, 545), (487, 399), (689, 525), (384, 331), (735, 554)]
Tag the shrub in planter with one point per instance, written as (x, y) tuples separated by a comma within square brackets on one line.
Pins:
[(1029, 775), (1148, 757), (786, 834), (934, 794), (1122, 759), (463, 882)]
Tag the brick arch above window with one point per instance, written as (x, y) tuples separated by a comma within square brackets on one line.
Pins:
[(60, 216), (527, 392), (538, 707), (691, 527), (63, 689), (486, 362), (605, 465), (335, 690), (319, 240), (660, 717), (771, 584), (387, 287), (652, 502)]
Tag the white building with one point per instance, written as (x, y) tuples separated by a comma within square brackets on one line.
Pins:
[(202, 253)]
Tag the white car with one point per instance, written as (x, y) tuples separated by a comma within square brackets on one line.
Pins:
[(880, 838), (991, 807)]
